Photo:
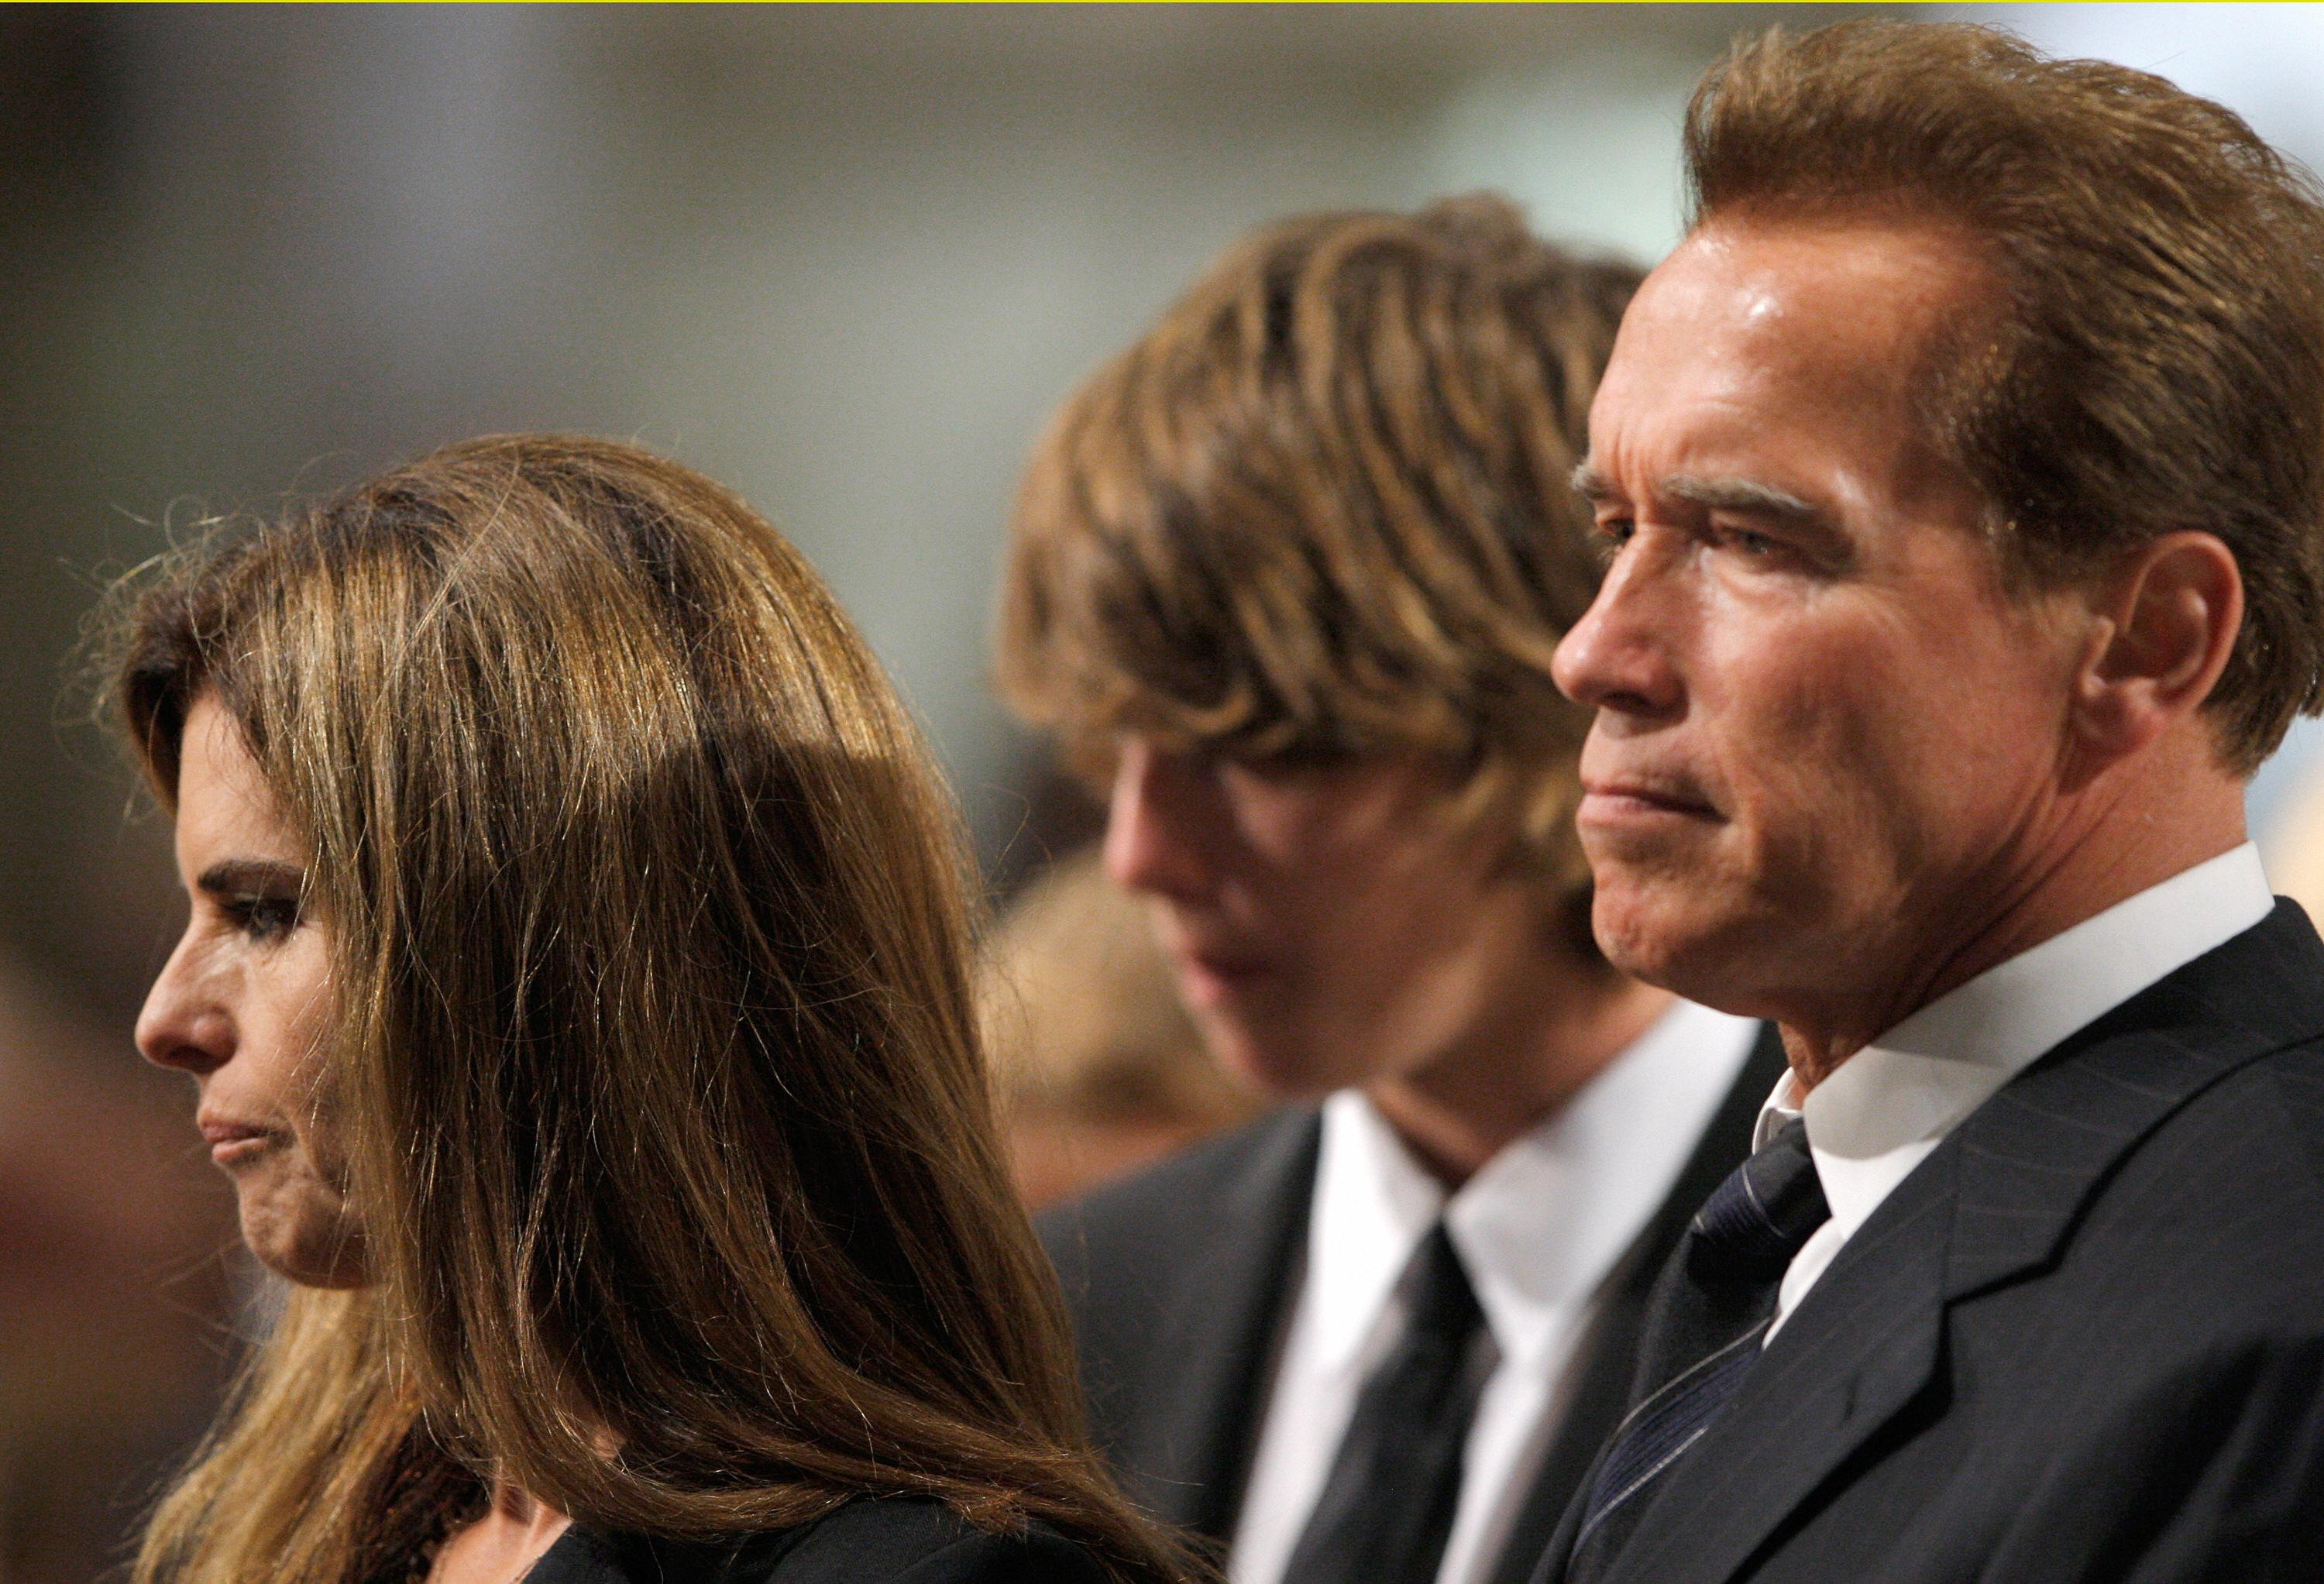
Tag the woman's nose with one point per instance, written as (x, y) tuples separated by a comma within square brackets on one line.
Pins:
[(182, 1025)]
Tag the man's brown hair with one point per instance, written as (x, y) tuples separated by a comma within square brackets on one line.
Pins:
[(2154, 357), (1323, 508)]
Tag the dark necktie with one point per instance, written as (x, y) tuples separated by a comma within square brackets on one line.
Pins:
[(1704, 1328), (1388, 1502)]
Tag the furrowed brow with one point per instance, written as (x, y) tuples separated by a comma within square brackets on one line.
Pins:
[(1739, 494), (1592, 484)]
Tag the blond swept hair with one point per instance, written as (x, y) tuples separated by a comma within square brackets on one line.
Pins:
[(1323, 507), (655, 1065)]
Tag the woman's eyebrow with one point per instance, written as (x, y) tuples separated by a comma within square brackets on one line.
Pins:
[(244, 876)]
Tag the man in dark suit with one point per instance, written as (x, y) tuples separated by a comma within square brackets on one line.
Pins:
[(1964, 474), (1287, 575)]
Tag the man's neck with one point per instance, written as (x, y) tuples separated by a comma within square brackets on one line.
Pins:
[(2081, 873), (1506, 1077)]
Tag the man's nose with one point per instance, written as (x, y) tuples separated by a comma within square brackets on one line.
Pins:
[(1619, 657), (180, 1025), (1157, 828)]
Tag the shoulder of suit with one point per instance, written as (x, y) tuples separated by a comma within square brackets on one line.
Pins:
[(1176, 1202), (2220, 1208), (2269, 1109)]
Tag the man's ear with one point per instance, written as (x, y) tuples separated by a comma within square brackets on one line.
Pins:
[(2168, 616)]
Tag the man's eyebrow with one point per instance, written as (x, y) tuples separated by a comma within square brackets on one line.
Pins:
[(1764, 501), (1742, 494), (251, 877), (1592, 484)]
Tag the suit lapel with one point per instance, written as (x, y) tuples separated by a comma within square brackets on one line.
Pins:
[(1995, 1201), (1185, 1461), (1859, 1348)]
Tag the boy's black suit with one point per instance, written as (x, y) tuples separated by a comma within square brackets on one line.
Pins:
[(2083, 1342), (1177, 1279)]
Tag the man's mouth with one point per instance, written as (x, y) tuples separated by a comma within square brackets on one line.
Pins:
[(1618, 798)]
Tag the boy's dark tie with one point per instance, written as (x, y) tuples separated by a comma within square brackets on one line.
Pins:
[(1388, 1502)]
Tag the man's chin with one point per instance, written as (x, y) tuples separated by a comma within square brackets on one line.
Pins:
[(1652, 935)]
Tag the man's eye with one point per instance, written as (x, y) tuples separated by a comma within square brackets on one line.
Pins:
[(1750, 542), (263, 919), (1612, 534)]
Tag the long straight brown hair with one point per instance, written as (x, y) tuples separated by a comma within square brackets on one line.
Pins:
[(654, 1063)]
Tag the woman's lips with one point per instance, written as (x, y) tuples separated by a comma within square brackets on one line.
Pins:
[(231, 1141)]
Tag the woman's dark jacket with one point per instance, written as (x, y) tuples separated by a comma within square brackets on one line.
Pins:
[(900, 1540)]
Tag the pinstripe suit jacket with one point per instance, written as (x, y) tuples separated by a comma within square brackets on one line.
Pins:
[(2083, 1342)]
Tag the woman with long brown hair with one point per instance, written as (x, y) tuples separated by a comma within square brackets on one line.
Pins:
[(576, 988)]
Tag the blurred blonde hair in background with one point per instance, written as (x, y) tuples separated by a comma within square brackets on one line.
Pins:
[(1097, 1066), (2293, 843)]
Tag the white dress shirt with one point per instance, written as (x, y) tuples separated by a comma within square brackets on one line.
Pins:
[(1538, 1230), (1884, 1108)]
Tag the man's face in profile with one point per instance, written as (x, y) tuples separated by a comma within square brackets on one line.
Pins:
[(1824, 729)]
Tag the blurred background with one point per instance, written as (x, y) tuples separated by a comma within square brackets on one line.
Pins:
[(843, 259)]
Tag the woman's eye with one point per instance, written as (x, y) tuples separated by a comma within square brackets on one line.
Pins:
[(265, 919)]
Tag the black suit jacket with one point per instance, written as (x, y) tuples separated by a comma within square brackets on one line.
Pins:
[(2084, 1341), (894, 1541), (1179, 1280)]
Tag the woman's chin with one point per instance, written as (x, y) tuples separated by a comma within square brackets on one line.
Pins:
[(316, 1248)]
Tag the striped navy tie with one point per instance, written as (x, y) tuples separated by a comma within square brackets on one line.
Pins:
[(1705, 1327)]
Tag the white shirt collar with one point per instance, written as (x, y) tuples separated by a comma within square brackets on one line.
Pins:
[(1540, 1225), (1881, 1112)]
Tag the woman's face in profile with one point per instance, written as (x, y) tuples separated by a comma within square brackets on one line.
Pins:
[(244, 1004)]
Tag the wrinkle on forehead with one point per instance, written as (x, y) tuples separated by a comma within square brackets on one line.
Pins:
[(1825, 328)]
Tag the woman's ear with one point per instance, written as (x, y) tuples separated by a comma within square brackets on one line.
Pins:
[(2168, 616)]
